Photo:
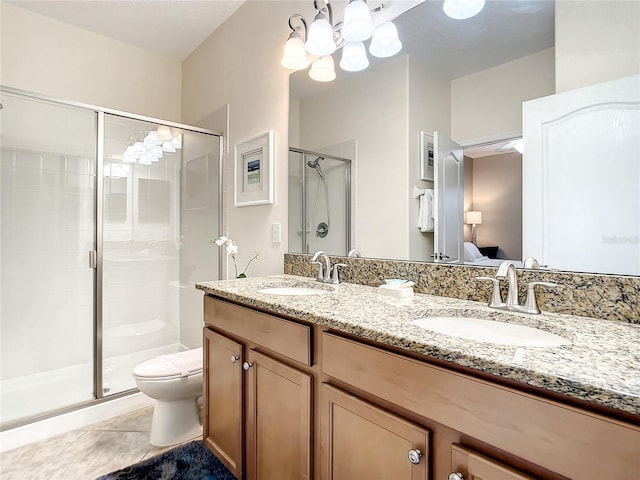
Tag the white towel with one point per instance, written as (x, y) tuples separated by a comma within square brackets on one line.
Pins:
[(425, 211)]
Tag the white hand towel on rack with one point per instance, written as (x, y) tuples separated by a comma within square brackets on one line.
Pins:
[(425, 211)]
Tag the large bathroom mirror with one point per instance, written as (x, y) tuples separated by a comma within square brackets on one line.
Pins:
[(467, 80)]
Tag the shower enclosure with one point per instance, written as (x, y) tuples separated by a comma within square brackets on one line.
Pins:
[(106, 218), (321, 219)]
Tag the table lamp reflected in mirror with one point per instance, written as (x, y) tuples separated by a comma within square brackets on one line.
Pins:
[(473, 218)]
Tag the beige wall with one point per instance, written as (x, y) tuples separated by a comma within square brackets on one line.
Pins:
[(497, 193), (239, 65), (596, 42), (487, 105), (52, 58)]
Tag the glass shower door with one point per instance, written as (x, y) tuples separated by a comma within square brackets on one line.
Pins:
[(160, 204), (319, 203), (47, 247)]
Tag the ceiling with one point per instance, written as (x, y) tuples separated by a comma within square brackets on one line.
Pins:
[(502, 30), (168, 27)]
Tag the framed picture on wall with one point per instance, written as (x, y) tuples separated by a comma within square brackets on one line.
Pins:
[(254, 171), (426, 156)]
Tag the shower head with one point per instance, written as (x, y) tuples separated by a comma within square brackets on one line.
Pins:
[(315, 163)]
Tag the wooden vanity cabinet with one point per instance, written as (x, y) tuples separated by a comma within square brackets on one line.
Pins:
[(257, 407), (360, 409), (362, 441), (542, 437)]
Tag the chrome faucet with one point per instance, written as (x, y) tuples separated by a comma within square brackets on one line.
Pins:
[(320, 276), (508, 270), (531, 263), (354, 253), (330, 273)]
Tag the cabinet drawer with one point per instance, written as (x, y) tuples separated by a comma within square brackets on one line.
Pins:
[(286, 338), (558, 437)]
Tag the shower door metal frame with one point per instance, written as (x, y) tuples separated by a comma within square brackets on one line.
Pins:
[(98, 265), (303, 190)]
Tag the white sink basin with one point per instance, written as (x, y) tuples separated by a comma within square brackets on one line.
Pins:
[(491, 331), (298, 291)]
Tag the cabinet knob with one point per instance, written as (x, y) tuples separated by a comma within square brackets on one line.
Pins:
[(456, 476), (234, 358), (415, 456), (247, 365)]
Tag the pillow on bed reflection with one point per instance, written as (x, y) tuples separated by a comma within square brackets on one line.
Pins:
[(471, 252)]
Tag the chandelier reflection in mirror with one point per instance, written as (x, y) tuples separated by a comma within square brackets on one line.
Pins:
[(150, 149), (314, 44)]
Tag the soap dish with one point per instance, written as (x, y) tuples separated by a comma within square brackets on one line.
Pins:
[(395, 291)]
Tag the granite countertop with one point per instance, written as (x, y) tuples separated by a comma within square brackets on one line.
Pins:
[(600, 366)]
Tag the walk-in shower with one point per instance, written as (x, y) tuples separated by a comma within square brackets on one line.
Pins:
[(106, 218), (322, 228), (319, 202)]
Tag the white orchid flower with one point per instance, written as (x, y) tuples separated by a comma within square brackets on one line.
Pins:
[(232, 248)]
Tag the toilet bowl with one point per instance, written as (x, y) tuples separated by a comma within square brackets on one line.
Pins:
[(174, 382)]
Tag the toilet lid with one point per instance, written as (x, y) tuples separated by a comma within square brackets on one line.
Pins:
[(181, 364)]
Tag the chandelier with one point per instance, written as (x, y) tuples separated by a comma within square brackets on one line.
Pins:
[(314, 44)]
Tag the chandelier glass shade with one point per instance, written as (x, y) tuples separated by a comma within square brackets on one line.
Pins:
[(357, 22), (354, 57), (462, 9), (322, 70), (320, 39)]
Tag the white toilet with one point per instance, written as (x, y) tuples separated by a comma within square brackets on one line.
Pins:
[(175, 382)]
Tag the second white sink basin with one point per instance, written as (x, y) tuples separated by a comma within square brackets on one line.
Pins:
[(491, 331), (297, 291)]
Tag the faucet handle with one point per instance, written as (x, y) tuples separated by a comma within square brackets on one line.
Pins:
[(496, 298), (531, 305), (320, 273), (334, 272)]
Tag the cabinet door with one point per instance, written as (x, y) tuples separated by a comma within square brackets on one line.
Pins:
[(223, 419), (473, 466), (361, 441), (278, 420)]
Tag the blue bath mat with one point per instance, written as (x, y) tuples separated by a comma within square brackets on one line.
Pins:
[(191, 461)]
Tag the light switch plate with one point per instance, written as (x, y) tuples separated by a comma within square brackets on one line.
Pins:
[(275, 233)]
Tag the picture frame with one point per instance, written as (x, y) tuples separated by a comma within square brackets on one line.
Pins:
[(427, 156), (254, 171)]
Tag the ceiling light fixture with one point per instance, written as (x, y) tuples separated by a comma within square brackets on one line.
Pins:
[(462, 9), (315, 44)]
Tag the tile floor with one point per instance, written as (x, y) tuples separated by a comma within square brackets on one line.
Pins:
[(85, 453)]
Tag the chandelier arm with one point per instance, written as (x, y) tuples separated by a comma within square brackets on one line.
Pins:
[(329, 9), (298, 28)]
